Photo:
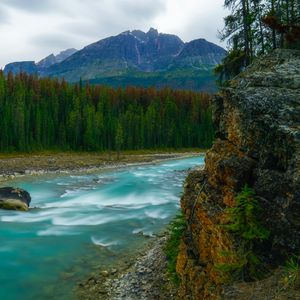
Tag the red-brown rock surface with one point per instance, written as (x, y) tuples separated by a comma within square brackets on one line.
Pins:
[(258, 143)]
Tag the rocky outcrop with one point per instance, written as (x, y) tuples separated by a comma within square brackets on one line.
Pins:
[(257, 123), (14, 199)]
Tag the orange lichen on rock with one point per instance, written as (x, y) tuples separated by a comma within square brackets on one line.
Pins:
[(258, 144)]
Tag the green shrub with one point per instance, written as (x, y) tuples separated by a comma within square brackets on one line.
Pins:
[(292, 271), (244, 217), (244, 223), (177, 227)]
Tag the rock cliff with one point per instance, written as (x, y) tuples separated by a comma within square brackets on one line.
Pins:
[(257, 143)]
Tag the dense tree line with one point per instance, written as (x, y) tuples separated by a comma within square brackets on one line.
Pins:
[(256, 27), (44, 114)]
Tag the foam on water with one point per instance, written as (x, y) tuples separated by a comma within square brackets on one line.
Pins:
[(32, 217), (91, 220), (103, 242), (57, 231), (77, 213), (156, 214)]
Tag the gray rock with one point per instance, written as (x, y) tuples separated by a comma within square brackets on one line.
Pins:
[(14, 199), (257, 121)]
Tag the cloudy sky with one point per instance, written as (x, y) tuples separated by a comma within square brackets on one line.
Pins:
[(32, 29)]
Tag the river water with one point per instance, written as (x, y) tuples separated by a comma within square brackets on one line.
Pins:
[(82, 222)]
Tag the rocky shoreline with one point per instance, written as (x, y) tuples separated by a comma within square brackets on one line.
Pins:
[(143, 276), (34, 165)]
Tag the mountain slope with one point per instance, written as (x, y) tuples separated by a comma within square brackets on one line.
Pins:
[(141, 59), (31, 67), (137, 51)]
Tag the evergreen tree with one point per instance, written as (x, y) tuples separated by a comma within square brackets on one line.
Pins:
[(256, 27), (43, 114), (119, 139)]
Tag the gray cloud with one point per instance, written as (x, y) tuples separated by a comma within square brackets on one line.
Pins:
[(4, 16), (109, 17), (31, 5), (91, 29), (203, 24), (142, 10), (53, 41), (33, 29)]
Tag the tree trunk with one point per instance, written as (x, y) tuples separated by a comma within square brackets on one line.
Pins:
[(273, 29), (246, 32)]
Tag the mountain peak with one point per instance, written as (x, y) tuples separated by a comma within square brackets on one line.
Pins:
[(65, 54), (139, 34), (126, 32), (133, 52), (152, 32), (47, 61)]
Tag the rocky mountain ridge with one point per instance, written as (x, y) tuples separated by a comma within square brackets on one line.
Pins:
[(258, 143), (55, 59), (142, 58), (32, 67), (146, 52)]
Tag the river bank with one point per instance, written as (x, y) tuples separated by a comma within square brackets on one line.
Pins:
[(140, 276), (19, 165), (82, 224)]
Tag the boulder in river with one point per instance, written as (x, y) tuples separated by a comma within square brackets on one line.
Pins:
[(14, 199)]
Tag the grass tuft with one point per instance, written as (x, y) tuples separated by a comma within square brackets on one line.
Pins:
[(292, 271), (176, 228)]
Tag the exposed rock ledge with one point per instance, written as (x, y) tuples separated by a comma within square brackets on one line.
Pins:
[(14, 199), (258, 143)]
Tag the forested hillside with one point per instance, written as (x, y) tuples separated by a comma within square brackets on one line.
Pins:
[(44, 114)]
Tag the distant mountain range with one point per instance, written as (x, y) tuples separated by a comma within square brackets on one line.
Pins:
[(41, 67), (134, 58)]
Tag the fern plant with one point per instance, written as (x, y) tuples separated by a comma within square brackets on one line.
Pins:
[(243, 221), (244, 217), (176, 229)]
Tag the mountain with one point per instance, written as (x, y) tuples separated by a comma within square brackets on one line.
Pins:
[(138, 58), (31, 67), (21, 66), (52, 59)]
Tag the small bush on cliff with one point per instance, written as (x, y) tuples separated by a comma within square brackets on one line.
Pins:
[(244, 222), (176, 228), (292, 271), (244, 217)]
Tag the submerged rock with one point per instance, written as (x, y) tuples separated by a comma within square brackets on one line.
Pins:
[(14, 199)]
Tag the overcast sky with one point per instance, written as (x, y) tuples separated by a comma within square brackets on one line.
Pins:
[(32, 29)]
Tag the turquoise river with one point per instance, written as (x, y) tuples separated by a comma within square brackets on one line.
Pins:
[(79, 223)]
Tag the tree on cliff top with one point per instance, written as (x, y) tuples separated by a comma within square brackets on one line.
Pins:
[(256, 27)]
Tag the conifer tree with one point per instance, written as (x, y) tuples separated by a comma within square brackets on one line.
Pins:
[(42, 114), (257, 27)]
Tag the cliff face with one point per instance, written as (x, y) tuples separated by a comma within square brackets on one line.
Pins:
[(258, 143)]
